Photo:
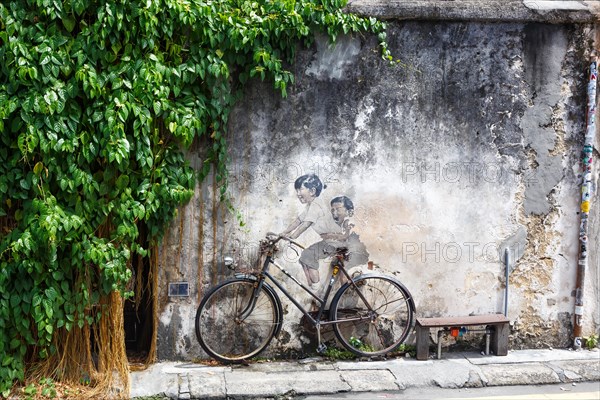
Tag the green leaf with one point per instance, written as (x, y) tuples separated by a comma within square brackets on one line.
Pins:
[(45, 59), (157, 107), (122, 181), (84, 83), (48, 308), (69, 23), (38, 168)]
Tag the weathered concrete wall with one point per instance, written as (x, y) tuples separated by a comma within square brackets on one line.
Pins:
[(467, 149), (547, 11)]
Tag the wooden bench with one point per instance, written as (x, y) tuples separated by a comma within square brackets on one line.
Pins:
[(498, 322)]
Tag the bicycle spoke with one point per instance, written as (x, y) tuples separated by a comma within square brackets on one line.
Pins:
[(381, 329), (219, 325)]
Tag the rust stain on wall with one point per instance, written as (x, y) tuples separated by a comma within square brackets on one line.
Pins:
[(200, 266), (162, 293), (215, 212), (177, 267)]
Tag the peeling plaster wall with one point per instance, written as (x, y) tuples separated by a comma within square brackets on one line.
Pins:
[(468, 148)]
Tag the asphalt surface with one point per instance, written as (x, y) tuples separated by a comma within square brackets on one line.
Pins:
[(557, 391)]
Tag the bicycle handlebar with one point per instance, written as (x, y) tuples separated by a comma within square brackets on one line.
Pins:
[(275, 237)]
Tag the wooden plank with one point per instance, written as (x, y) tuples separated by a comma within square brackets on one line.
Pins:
[(499, 343), (469, 320), (422, 343)]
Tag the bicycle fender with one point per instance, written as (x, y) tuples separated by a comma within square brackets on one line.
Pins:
[(250, 277), (269, 289), (242, 275)]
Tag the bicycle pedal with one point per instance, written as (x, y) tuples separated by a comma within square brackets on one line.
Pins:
[(321, 348)]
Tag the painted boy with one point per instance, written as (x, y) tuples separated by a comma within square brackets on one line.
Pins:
[(342, 209)]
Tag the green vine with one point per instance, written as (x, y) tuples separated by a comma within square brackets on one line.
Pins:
[(98, 101)]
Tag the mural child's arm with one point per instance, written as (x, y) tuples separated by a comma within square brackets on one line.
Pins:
[(296, 228), (344, 235), (300, 229), (334, 236), (292, 227)]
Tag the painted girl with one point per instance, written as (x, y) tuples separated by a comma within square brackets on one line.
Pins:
[(316, 215)]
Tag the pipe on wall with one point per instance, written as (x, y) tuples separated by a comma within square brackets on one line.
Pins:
[(506, 276), (586, 194)]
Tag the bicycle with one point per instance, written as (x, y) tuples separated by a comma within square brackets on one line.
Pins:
[(371, 314)]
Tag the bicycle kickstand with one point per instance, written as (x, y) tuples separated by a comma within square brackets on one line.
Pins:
[(321, 347)]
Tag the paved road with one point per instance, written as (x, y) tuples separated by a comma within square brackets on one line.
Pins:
[(580, 391)]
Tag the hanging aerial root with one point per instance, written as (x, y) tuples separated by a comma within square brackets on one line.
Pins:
[(112, 374), (153, 287), (92, 361)]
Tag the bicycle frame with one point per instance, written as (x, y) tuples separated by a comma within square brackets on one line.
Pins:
[(337, 265), (363, 314)]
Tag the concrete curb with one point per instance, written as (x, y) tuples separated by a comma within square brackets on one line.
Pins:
[(318, 377)]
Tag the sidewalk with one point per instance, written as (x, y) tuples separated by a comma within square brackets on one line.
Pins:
[(180, 380)]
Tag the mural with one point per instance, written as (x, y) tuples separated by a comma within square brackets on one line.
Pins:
[(331, 220), (429, 177)]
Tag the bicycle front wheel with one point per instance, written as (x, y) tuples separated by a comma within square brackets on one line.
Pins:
[(230, 327), (374, 315)]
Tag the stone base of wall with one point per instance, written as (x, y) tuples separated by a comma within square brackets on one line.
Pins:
[(549, 11)]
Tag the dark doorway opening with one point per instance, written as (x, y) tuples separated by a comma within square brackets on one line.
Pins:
[(139, 311)]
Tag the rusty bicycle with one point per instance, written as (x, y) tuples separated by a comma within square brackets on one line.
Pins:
[(371, 314)]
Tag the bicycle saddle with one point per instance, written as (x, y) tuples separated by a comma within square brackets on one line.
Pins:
[(341, 250)]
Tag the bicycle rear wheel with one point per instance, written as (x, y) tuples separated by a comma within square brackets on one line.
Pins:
[(222, 331), (376, 320)]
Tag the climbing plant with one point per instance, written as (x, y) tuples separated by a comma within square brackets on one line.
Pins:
[(98, 102)]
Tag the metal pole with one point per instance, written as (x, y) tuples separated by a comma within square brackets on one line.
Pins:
[(506, 273), (586, 194)]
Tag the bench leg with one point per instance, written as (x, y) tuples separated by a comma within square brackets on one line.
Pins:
[(422, 343), (500, 339)]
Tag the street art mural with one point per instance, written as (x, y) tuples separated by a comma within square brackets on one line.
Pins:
[(331, 220), (430, 174)]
